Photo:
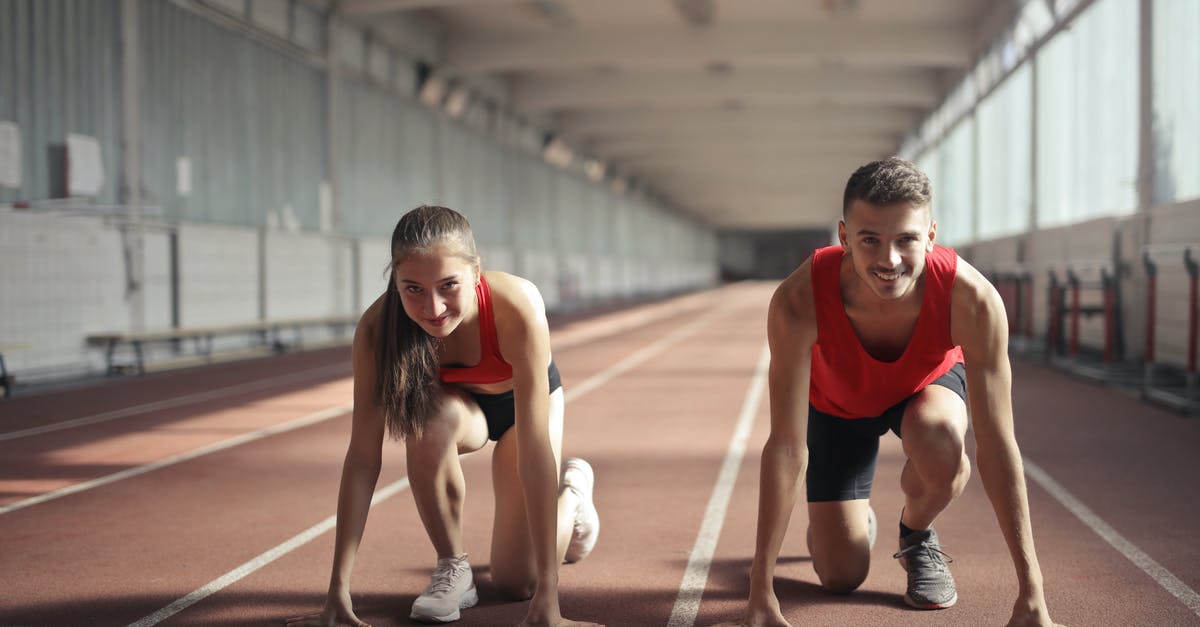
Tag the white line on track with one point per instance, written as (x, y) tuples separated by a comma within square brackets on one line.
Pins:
[(637, 358), (687, 604), (311, 419), (233, 576), (311, 533), (1156, 571), (172, 402)]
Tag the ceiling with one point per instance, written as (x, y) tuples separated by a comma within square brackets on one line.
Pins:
[(749, 114)]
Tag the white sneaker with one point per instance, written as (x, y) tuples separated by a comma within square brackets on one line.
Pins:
[(578, 476), (451, 589)]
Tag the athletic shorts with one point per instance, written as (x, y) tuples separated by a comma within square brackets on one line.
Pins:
[(842, 451), (498, 409)]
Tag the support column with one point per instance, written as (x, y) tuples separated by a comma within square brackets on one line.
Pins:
[(133, 238)]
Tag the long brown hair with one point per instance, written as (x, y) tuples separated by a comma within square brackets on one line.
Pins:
[(406, 386)]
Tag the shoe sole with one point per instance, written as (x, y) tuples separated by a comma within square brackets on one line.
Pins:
[(576, 552), (930, 606), (468, 599)]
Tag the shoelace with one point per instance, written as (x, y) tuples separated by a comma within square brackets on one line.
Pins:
[(930, 549), (443, 578)]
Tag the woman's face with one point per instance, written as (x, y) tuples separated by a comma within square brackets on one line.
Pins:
[(437, 289)]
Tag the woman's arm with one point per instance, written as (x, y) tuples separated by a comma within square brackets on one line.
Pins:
[(525, 343), (364, 456), (360, 472)]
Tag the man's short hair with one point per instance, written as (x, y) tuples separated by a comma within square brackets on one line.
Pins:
[(886, 182)]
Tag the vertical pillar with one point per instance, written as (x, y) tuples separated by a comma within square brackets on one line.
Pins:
[(131, 166)]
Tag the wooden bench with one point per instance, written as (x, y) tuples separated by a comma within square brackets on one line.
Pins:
[(272, 334)]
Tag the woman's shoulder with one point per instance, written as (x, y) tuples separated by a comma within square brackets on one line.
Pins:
[(514, 296), (368, 322)]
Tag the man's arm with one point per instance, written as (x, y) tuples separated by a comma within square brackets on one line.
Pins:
[(791, 332), (980, 325)]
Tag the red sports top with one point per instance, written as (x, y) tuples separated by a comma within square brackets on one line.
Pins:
[(846, 380), (491, 367)]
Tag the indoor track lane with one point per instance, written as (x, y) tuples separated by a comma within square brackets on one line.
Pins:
[(655, 395)]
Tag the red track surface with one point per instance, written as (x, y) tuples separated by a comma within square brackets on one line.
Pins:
[(656, 429)]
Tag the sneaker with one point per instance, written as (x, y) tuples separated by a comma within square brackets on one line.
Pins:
[(578, 476), (872, 527), (451, 589), (930, 585)]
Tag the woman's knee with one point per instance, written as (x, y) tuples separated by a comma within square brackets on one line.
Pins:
[(450, 423), (513, 585)]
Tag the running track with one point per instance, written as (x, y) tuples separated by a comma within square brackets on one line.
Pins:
[(205, 496)]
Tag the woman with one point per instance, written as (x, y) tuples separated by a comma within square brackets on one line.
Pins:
[(411, 378)]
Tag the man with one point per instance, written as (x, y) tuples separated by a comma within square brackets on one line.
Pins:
[(870, 337)]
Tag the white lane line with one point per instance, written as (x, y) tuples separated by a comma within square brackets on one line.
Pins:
[(1156, 571), (311, 533), (637, 358), (687, 604), (233, 576), (298, 423), (171, 402)]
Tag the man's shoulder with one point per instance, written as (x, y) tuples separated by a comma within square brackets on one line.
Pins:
[(793, 302), (970, 286)]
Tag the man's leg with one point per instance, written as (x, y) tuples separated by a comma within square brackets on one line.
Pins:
[(933, 431), (837, 540), (841, 467)]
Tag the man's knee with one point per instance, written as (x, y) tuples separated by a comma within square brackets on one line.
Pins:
[(842, 580), (935, 427)]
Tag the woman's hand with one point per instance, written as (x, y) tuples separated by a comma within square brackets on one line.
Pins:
[(547, 615), (337, 611)]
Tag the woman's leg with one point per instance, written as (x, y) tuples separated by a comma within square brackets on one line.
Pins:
[(435, 473), (513, 570)]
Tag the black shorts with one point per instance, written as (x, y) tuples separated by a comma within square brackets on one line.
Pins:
[(842, 452), (498, 409)]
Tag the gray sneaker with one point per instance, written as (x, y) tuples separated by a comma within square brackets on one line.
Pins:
[(451, 589), (930, 585)]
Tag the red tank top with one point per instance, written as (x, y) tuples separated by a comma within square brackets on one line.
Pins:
[(491, 367), (846, 380)]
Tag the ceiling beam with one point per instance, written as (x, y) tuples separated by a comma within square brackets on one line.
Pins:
[(780, 120), (813, 86), (732, 145), (369, 8), (835, 41)]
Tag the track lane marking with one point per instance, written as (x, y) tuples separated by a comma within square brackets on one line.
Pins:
[(304, 537), (311, 419), (695, 576), (235, 575), (169, 403), (1140, 558)]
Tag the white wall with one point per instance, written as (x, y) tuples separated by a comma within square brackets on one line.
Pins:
[(307, 275), (218, 275), (61, 277)]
